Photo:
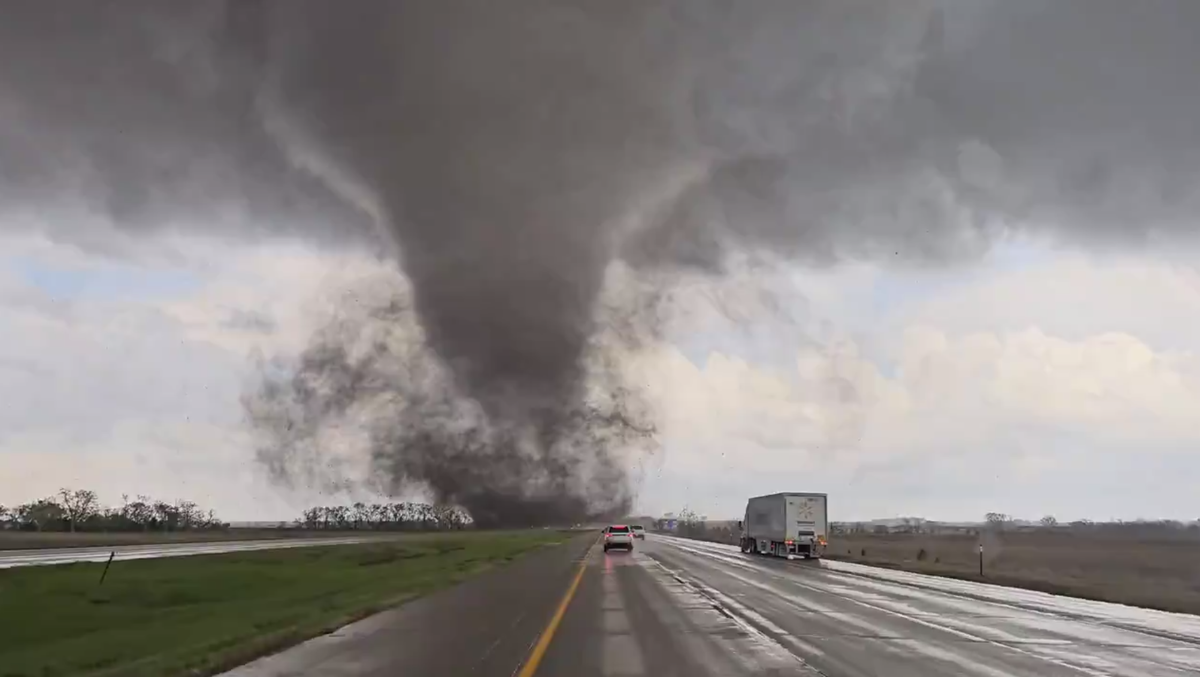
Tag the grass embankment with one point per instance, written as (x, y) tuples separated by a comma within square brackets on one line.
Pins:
[(30, 540), (203, 614), (1154, 573)]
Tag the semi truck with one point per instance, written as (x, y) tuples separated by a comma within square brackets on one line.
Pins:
[(786, 525)]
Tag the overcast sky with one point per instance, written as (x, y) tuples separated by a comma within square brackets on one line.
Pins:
[(908, 264), (1036, 382)]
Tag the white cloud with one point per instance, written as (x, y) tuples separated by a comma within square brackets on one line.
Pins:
[(979, 412), (139, 393), (1075, 297), (1044, 388)]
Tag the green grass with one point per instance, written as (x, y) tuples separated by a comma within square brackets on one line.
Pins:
[(200, 615)]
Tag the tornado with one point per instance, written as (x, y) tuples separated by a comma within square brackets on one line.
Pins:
[(512, 162)]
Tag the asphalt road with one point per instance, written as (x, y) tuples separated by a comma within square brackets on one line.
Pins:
[(45, 556), (675, 607)]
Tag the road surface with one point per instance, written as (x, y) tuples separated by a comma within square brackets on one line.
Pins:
[(44, 556), (676, 607)]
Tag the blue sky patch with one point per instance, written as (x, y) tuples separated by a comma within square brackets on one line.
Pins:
[(890, 292), (107, 282), (893, 290)]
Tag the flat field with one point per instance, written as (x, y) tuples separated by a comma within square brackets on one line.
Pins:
[(1154, 572), (203, 614)]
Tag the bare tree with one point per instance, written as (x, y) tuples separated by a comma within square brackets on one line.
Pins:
[(141, 512), (1049, 521), (78, 506)]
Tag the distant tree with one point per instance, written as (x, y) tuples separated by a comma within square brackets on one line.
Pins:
[(141, 512), (42, 515), (81, 510), (401, 516), (187, 515), (1049, 521), (78, 506), (360, 515)]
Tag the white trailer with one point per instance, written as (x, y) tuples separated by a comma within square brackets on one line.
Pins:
[(786, 525)]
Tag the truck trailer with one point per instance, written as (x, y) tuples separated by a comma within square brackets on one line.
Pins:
[(786, 525)]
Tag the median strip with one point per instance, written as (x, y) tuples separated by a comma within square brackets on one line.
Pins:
[(207, 613)]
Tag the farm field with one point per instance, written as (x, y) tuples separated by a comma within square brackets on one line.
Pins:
[(1157, 572)]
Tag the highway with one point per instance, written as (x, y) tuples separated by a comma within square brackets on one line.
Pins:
[(677, 607), (46, 556)]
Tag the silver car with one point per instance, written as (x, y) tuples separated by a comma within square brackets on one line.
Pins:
[(639, 532), (618, 536)]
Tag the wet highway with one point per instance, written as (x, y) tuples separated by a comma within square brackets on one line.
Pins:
[(48, 556), (676, 607)]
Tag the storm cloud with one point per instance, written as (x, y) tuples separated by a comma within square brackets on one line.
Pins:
[(509, 155)]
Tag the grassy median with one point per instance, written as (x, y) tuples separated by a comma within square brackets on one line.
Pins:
[(199, 615)]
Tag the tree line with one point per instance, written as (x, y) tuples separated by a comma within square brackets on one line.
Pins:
[(403, 516), (80, 510)]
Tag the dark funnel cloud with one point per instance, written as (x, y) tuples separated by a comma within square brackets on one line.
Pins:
[(512, 155)]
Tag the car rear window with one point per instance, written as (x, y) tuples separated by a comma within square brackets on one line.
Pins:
[(618, 530), (639, 528)]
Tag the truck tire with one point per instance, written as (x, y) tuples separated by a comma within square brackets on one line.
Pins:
[(745, 546)]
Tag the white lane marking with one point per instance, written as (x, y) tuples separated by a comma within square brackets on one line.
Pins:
[(1088, 670), (1109, 652), (1163, 624), (970, 665), (1159, 625), (744, 619)]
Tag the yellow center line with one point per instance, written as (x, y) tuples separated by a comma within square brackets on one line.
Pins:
[(539, 650)]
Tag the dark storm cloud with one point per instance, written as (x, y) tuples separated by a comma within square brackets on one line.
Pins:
[(1084, 115), (146, 113), (514, 150)]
